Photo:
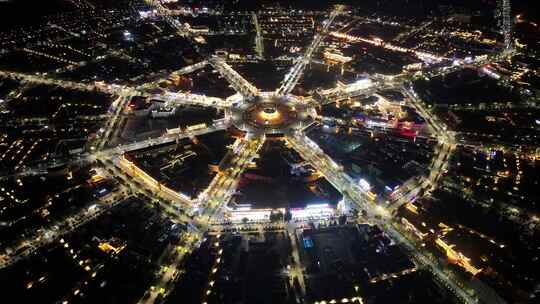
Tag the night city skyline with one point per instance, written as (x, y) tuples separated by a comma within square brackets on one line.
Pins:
[(169, 151)]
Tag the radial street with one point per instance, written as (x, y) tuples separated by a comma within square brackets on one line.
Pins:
[(209, 207)]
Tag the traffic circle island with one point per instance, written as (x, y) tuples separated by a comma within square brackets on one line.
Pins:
[(269, 113)]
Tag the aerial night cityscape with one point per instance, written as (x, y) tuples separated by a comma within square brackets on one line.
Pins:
[(270, 151)]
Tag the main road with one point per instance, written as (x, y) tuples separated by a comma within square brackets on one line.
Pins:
[(296, 71), (212, 201), (239, 83), (52, 231), (375, 213)]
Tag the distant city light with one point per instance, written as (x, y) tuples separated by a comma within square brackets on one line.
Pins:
[(364, 185), (128, 36)]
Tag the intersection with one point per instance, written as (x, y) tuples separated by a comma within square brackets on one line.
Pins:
[(258, 114)]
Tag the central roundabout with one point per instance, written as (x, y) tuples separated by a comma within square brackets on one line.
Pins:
[(352, 151), (269, 113)]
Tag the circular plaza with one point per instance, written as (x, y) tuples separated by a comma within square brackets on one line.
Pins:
[(269, 113)]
